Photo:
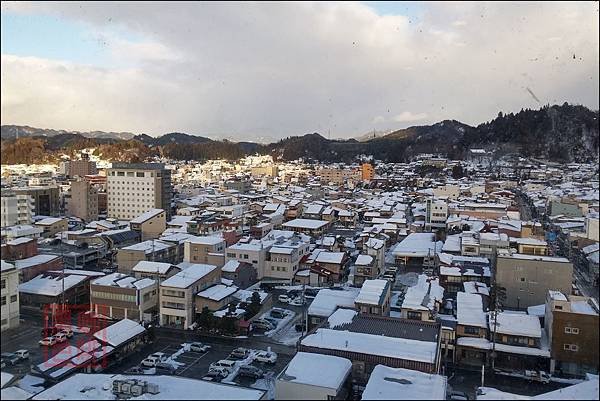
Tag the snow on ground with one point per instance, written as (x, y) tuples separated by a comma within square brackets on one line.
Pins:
[(249, 359), (407, 279), (288, 335), (74, 329), (31, 384), (5, 377), (266, 383), (14, 393), (281, 324)]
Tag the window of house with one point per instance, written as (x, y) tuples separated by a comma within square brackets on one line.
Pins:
[(13, 298), (567, 330), (574, 330), (3, 284), (3, 301), (574, 347), (471, 330)]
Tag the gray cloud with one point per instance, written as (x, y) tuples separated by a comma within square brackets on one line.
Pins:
[(280, 69)]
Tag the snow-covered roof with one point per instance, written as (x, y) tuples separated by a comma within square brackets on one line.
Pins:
[(423, 295), (231, 266), (148, 246), (317, 370), (327, 301), (49, 221), (83, 386), (146, 216), (34, 260), (330, 257), (50, 286), (280, 250), (217, 292), (418, 245), (517, 324), (146, 266), (6, 266), (372, 292), (189, 276), (393, 347), (387, 383), (541, 258), (206, 240), (475, 287), (340, 317), (470, 310), (119, 333), (305, 223), (64, 355), (364, 260)]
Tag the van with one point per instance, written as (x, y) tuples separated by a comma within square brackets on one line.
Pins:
[(223, 363)]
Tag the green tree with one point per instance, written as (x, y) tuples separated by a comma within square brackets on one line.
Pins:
[(254, 306), (206, 318)]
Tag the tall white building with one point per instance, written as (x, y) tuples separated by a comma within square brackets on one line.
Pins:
[(134, 189), (15, 209), (9, 294)]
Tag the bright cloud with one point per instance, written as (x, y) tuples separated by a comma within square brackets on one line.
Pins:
[(246, 70)]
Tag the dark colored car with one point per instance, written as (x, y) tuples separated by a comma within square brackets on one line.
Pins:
[(10, 358), (164, 368), (251, 371)]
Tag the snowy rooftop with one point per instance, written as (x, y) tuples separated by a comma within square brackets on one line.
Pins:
[(535, 257), (364, 260), (148, 246), (206, 240), (475, 287), (317, 370), (217, 292), (146, 216), (387, 383), (418, 245), (341, 317), (305, 223), (423, 295), (189, 276), (330, 257), (99, 387), (517, 324), (231, 266), (50, 286), (49, 221), (119, 333), (372, 292), (34, 261), (370, 344), (146, 266), (327, 301), (470, 310)]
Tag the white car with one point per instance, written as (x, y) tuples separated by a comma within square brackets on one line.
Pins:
[(22, 354), (199, 347), (60, 337), (48, 341), (153, 360), (266, 356), (297, 302), (284, 299)]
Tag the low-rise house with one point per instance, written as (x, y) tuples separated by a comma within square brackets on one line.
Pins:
[(327, 302), (376, 248), (150, 224), (158, 271), (456, 270), (387, 383), (572, 326), (215, 297), (208, 250), (374, 298), (119, 296), (314, 228), (314, 377), (472, 324), (52, 226), (423, 300), (330, 267), (364, 269), (241, 274), (19, 248), (151, 250), (417, 249), (178, 293), (47, 289), (35, 265)]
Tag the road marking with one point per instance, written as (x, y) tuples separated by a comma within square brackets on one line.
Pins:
[(192, 364)]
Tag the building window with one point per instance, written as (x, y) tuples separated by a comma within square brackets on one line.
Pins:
[(3, 301), (567, 330), (13, 298), (3, 284), (471, 330)]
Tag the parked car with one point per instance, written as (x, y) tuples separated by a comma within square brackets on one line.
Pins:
[(239, 353), (10, 358), (67, 332), (539, 376), (297, 302), (266, 357), (165, 368), (251, 371), (226, 364), (60, 337), (48, 341), (274, 322), (278, 313), (293, 293), (283, 298), (458, 395), (49, 331), (135, 370), (263, 324), (215, 376), (153, 360), (199, 347), (22, 354)]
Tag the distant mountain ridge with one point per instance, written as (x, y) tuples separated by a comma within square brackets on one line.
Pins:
[(562, 133)]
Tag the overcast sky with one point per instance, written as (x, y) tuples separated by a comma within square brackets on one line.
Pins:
[(270, 70)]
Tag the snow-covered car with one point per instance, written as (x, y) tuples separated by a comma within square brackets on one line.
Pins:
[(199, 347), (48, 341), (278, 313), (266, 357), (297, 302), (164, 368), (154, 359), (67, 332), (60, 337), (215, 376), (536, 375), (22, 354), (239, 353), (251, 371), (226, 364), (263, 324)]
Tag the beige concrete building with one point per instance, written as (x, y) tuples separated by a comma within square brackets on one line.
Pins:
[(16, 209), (9, 292), (135, 188), (152, 250), (208, 250), (120, 296), (268, 170), (150, 224), (52, 226), (82, 201), (339, 176), (178, 293), (527, 278)]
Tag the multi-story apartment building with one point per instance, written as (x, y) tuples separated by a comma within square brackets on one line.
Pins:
[(15, 209), (177, 293), (136, 188), (151, 250), (528, 277), (436, 214), (46, 199), (253, 252), (572, 327), (82, 200), (79, 168), (208, 250), (9, 292), (338, 176), (120, 296)]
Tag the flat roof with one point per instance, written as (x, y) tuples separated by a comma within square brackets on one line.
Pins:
[(306, 223), (317, 370)]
